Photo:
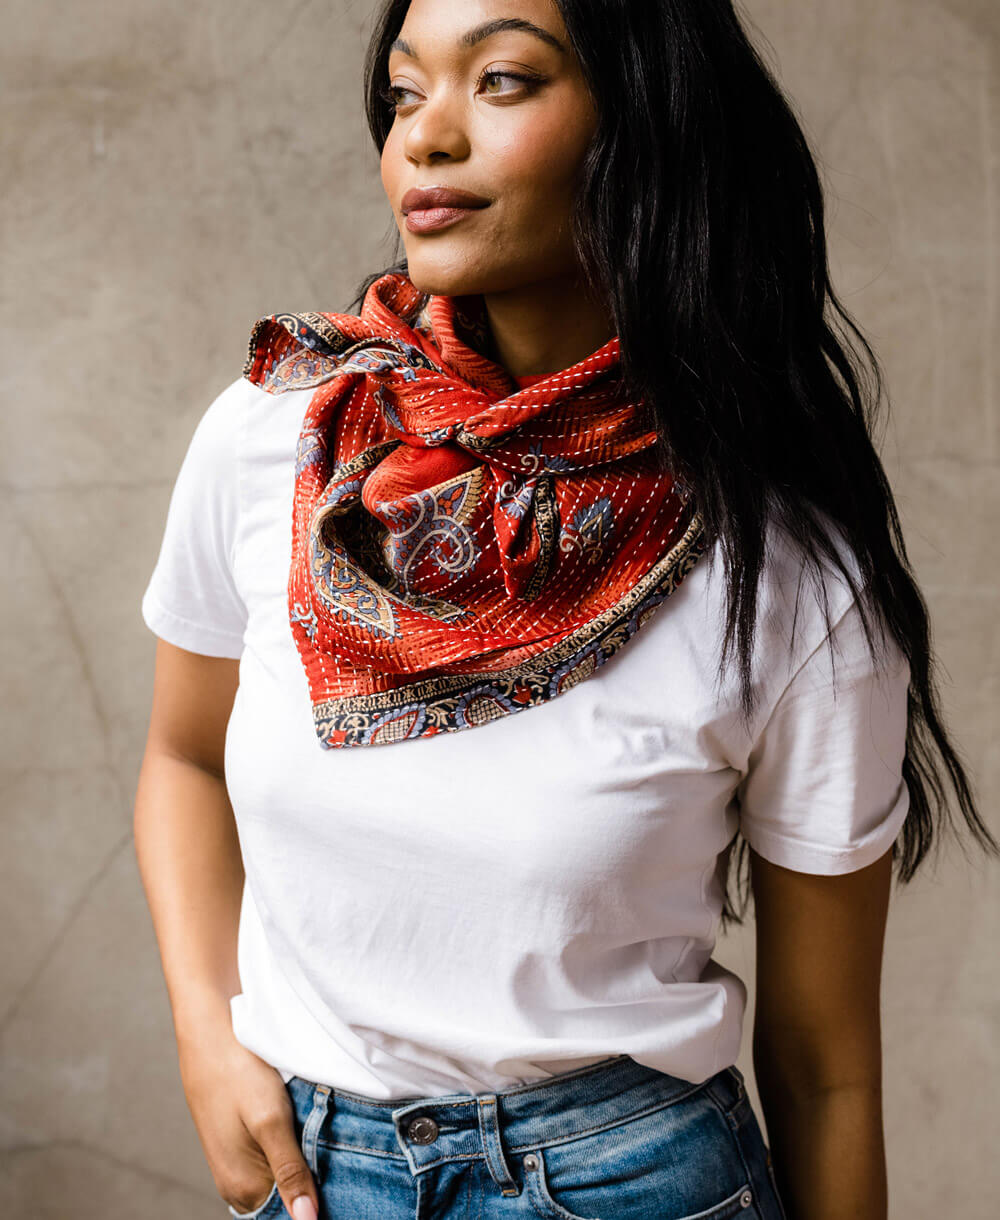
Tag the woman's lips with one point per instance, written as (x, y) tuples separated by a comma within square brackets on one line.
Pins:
[(428, 220)]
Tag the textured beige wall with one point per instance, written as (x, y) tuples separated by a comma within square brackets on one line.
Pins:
[(174, 170)]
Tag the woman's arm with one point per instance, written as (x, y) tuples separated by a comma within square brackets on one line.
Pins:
[(192, 870), (185, 836), (817, 1047)]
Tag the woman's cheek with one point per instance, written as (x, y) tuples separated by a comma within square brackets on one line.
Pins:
[(393, 161), (548, 142)]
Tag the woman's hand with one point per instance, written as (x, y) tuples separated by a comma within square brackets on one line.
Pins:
[(245, 1122)]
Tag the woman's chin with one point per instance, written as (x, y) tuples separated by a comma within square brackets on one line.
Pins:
[(447, 273), (441, 283)]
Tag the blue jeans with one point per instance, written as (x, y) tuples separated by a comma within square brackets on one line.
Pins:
[(610, 1141)]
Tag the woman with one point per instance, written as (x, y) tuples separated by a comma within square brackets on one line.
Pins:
[(593, 571)]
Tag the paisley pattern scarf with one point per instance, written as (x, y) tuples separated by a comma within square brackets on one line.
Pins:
[(464, 546)]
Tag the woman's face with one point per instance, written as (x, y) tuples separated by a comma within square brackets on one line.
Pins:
[(464, 120)]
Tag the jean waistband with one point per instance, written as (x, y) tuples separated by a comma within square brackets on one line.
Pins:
[(429, 1130)]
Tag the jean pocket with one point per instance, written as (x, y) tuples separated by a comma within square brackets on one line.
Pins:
[(537, 1188), (678, 1162), (547, 1206), (272, 1206)]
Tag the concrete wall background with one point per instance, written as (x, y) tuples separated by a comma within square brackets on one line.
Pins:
[(171, 172)]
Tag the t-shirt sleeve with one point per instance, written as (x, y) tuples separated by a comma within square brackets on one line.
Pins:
[(192, 599), (824, 791)]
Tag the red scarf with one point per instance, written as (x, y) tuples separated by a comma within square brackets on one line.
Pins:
[(463, 546)]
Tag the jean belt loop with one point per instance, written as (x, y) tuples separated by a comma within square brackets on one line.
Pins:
[(313, 1125), (489, 1130)]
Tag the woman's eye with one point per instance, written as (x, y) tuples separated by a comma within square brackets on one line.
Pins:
[(488, 76), (388, 95)]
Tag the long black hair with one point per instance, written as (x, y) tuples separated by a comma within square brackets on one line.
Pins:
[(699, 218)]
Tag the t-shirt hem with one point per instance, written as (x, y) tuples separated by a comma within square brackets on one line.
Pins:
[(803, 857), (183, 633)]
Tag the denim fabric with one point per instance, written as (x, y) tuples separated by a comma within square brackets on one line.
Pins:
[(611, 1141)]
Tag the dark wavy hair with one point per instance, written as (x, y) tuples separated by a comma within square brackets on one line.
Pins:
[(699, 218)]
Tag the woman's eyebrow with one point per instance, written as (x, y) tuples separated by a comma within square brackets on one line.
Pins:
[(488, 28)]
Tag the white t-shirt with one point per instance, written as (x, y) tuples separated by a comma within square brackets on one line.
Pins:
[(482, 908)]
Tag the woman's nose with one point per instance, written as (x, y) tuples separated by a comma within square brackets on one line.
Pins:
[(437, 131)]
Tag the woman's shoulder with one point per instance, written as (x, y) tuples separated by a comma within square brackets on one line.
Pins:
[(789, 584), (811, 618), (223, 411), (799, 601), (244, 418), (797, 572)]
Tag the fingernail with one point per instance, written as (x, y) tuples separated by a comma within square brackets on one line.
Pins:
[(303, 1208)]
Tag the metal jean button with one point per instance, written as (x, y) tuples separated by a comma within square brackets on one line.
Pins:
[(746, 1198), (422, 1130)]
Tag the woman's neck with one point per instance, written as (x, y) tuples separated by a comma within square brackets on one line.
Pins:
[(545, 327)]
